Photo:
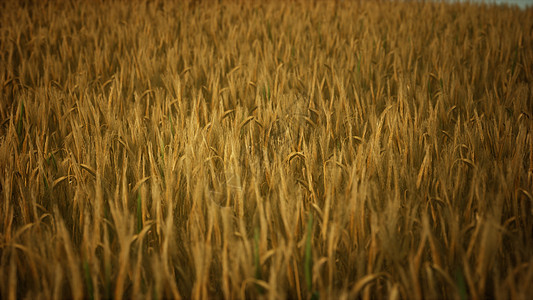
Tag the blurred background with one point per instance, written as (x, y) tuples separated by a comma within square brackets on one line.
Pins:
[(520, 3)]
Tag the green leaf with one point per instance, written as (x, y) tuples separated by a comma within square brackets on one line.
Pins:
[(257, 262), (171, 124), (308, 259), (88, 280), (139, 213), (20, 122), (461, 285)]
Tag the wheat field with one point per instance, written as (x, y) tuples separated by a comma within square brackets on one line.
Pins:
[(277, 150)]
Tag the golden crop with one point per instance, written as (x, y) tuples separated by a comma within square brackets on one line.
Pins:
[(287, 149)]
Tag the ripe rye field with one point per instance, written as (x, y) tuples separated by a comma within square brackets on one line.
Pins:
[(302, 150)]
